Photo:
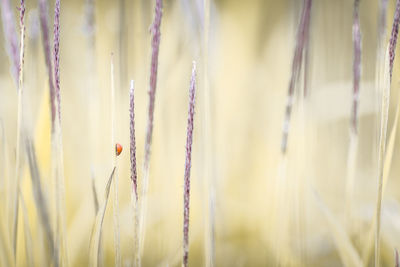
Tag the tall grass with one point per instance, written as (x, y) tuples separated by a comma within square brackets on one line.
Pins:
[(115, 155), (18, 164), (260, 218), (155, 47), (134, 194), (302, 35), (188, 164), (383, 128)]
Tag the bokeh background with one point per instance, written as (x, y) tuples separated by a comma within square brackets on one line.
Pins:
[(250, 205)]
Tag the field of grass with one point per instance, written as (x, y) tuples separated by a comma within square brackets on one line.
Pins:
[(199, 133)]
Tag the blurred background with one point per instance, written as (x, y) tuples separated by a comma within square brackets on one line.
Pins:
[(250, 205)]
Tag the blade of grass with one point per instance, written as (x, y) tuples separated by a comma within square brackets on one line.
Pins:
[(95, 198), (113, 142), (386, 171), (209, 158), (155, 45), (27, 232), (346, 250), (383, 127), (40, 201), (95, 238)]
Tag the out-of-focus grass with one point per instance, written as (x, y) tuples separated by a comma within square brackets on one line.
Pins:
[(265, 207)]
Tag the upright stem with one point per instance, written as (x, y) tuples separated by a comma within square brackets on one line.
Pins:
[(18, 164), (113, 142), (188, 163), (134, 173), (155, 46)]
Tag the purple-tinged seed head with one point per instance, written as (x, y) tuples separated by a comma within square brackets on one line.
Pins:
[(188, 163), (133, 140), (302, 34), (47, 54), (356, 65), (10, 35), (155, 45), (57, 56), (393, 38), (21, 12)]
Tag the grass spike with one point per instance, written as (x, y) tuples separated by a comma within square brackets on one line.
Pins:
[(155, 46), (296, 67), (188, 163)]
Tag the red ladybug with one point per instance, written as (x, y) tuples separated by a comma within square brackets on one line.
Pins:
[(118, 149)]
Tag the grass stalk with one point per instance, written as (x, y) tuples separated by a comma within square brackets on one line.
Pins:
[(302, 33), (383, 128), (27, 232), (95, 198), (18, 165), (346, 250), (43, 11), (188, 163), (208, 154), (356, 66), (134, 173), (352, 151), (155, 46), (95, 238), (10, 38), (39, 197), (113, 142), (57, 147)]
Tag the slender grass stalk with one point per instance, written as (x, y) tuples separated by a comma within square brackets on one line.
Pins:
[(396, 258), (27, 232), (352, 151), (40, 200), (302, 33), (6, 245), (155, 46), (134, 173), (382, 23), (113, 142), (208, 154), (383, 128), (384, 68), (95, 198), (356, 66), (10, 37), (57, 147), (346, 249), (43, 11), (188, 163), (95, 238), (18, 165), (381, 151)]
